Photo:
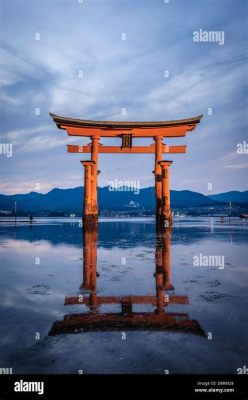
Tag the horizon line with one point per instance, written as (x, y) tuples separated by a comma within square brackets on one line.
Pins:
[(132, 187)]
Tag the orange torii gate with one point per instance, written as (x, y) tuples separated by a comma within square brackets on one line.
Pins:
[(126, 131)]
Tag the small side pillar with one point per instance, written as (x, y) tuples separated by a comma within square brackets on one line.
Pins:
[(165, 219)]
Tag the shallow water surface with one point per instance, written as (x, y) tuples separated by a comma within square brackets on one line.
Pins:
[(123, 299)]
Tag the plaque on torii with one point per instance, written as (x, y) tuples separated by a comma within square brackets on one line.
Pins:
[(127, 131)]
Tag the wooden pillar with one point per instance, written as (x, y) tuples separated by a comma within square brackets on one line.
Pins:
[(159, 275), (89, 259), (158, 177), (93, 271), (94, 158), (166, 238), (86, 260), (162, 272), (93, 259), (166, 216), (88, 215), (90, 266)]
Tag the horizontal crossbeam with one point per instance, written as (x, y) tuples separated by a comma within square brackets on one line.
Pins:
[(124, 150), (173, 299), (178, 131)]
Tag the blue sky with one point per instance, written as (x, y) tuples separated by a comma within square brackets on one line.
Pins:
[(81, 67)]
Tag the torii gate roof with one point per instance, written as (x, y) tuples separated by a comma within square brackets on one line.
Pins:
[(83, 127)]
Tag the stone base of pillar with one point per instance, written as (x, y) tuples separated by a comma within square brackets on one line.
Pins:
[(90, 221)]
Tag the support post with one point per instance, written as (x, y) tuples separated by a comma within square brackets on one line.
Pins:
[(162, 272), (166, 215), (89, 216), (90, 266), (86, 285), (159, 276), (166, 238)]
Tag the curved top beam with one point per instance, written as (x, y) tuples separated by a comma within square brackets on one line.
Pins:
[(75, 122)]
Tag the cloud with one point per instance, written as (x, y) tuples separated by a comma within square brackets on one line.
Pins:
[(80, 67), (242, 165)]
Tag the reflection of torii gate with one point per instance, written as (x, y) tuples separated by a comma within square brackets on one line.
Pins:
[(127, 319), (127, 131)]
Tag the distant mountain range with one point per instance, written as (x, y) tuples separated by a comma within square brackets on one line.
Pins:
[(71, 200), (234, 196)]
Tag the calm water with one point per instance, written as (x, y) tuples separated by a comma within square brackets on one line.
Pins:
[(123, 300)]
